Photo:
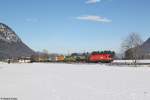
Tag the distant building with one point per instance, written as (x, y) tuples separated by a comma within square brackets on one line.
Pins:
[(24, 59), (56, 58), (52, 59), (60, 58)]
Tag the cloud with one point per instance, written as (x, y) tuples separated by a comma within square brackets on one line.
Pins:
[(94, 18), (92, 1)]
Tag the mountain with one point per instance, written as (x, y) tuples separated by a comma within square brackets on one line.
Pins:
[(142, 52), (11, 46), (146, 46)]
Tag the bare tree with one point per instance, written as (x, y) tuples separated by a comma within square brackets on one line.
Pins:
[(45, 55), (45, 51), (131, 47)]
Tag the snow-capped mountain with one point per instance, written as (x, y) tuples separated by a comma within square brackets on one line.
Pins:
[(143, 51), (146, 46), (7, 34), (11, 46)]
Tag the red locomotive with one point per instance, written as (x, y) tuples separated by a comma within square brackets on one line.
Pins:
[(103, 57)]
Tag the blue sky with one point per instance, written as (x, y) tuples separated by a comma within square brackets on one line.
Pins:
[(66, 26)]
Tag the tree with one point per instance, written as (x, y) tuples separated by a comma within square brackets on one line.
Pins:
[(44, 56), (131, 47)]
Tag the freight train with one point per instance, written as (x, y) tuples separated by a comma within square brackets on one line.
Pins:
[(94, 57)]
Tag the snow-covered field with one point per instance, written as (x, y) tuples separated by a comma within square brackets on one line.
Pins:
[(131, 61), (74, 82)]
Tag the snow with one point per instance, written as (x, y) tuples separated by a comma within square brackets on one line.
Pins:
[(39, 81), (131, 61)]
